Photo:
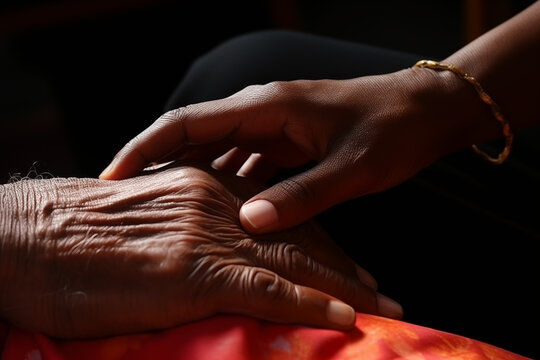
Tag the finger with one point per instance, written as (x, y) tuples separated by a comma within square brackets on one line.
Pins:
[(258, 169), (298, 198), (267, 296), (201, 123), (170, 133), (231, 161), (309, 252), (198, 153), (366, 277), (335, 275)]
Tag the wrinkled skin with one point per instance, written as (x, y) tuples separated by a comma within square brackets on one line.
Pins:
[(99, 258)]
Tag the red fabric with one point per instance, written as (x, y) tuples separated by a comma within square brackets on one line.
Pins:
[(241, 338)]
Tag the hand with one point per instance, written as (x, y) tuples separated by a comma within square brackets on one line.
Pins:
[(99, 258), (358, 136)]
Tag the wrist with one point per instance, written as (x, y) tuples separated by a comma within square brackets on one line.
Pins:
[(454, 114)]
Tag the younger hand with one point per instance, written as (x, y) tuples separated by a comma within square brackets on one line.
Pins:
[(358, 136)]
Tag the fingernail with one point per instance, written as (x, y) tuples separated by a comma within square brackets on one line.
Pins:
[(260, 213), (340, 313), (218, 163), (366, 277), (105, 173), (388, 307)]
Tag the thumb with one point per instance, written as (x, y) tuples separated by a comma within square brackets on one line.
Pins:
[(294, 200)]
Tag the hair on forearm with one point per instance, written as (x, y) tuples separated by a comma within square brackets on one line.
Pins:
[(32, 174)]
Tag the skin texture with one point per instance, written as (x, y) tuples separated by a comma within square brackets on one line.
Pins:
[(348, 137), (89, 258)]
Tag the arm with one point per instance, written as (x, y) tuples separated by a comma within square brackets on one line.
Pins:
[(85, 257), (504, 60), (363, 135)]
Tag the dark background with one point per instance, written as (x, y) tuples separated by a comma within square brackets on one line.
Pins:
[(78, 79)]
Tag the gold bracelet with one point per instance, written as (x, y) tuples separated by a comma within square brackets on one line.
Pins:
[(509, 136)]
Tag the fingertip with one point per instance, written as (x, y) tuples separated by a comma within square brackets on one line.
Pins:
[(340, 314), (106, 174), (258, 215), (388, 307), (124, 166), (113, 172), (322, 310), (365, 277)]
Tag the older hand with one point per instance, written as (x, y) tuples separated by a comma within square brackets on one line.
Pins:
[(86, 257)]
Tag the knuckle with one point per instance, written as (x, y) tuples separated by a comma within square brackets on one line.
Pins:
[(295, 189), (267, 285), (208, 277), (133, 144), (276, 87), (286, 91), (253, 90), (173, 116), (274, 90), (290, 257), (175, 120)]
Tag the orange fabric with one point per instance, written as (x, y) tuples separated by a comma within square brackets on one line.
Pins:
[(241, 338)]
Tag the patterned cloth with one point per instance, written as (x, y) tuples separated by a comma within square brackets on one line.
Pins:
[(242, 338)]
